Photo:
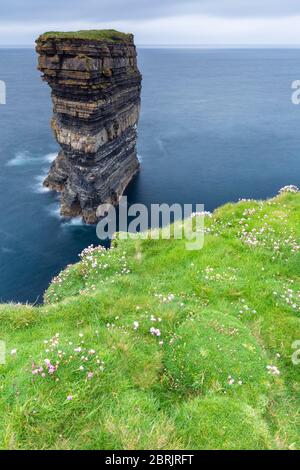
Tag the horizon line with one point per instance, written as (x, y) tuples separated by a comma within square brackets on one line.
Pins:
[(190, 45)]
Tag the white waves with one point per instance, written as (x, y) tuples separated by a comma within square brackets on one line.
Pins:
[(26, 158)]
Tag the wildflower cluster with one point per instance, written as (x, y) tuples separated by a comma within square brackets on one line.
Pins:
[(273, 370), (62, 277), (244, 308), (232, 381), (249, 212), (201, 214), (95, 260), (289, 189), (210, 274), (57, 282), (67, 356), (98, 265), (165, 298), (289, 296), (266, 237), (154, 331)]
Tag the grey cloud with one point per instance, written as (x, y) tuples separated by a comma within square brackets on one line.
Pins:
[(156, 21), (115, 10)]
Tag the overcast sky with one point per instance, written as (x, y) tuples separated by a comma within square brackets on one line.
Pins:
[(215, 22)]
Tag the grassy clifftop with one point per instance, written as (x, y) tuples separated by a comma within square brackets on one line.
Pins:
[(151, 346), (91, 34)]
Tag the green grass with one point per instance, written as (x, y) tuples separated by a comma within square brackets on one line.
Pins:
[(225, 313), (110, 35)]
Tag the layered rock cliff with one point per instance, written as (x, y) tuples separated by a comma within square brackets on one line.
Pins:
[(96, 89)]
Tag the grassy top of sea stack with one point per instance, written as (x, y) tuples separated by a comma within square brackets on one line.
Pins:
[(109, 35)]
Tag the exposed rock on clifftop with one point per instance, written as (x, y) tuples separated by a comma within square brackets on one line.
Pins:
[(96, 89)]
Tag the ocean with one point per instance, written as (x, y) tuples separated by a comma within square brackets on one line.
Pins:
[(216, 125)]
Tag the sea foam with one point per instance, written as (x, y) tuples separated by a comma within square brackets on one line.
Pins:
[(38, 186), (26, 158), (74, 222), (54, 211)]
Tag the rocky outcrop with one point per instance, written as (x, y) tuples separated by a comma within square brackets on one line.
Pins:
[(96, 89)]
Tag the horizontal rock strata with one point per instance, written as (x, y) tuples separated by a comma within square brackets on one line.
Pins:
[(96, 88)]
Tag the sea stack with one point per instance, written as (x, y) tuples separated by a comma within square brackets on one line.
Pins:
[(96, 88)]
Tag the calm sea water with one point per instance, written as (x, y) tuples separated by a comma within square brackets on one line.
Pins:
[(216, 125)]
